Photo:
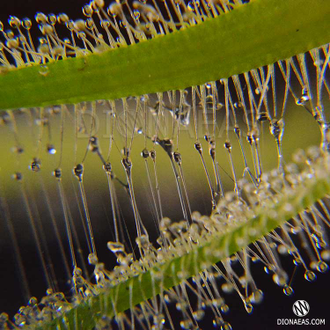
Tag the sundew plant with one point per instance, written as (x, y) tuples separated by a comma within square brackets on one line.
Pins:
[(156, 155)]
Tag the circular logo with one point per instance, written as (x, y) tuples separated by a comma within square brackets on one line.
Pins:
[(300, 308)]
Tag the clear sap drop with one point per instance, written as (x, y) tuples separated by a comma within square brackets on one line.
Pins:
[(322, 267), (310, 276), (43, 70), (51, 149), (287, 290)]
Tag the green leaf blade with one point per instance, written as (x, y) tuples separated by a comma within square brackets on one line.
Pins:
[(256, 34)]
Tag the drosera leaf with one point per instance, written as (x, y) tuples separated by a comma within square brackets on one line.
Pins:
[(220, 246), (255, 34)]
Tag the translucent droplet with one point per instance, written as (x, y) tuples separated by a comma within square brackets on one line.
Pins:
[(310, 276), (282, 249), (78, 171), (313, 265), (17, 150), (318, 62), (14, 22), (17, 176), (227, 287), (145, 153), (137, 14), (116, 247), (257, 296), (255, 259), (35, 165), (12, 43), (322, 267), (181, 306), (287, 290), (49, 292), (198, 314), (143, 241), (51, 149), (224, 308), (52, 19), (325, 254), (226, 326), (57, 173), (248, 307), (33, 301), (62, 18), (302, 101), (217, 302), (44, 70), (87, 10), (191, 6), (263, 116), (186, 324), (280, 279), (92, 259), (41, 18)]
